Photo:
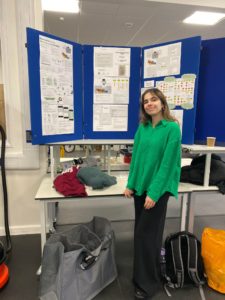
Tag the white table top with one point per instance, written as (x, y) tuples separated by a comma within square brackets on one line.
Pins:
[(46, 190), (192, 148), (204, 149), (95, 142)]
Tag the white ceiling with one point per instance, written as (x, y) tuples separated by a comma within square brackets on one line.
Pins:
[(103, 22)]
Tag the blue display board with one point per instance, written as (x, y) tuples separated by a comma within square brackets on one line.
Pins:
[(189, 64), (33, 49), (83, 87), (134, 96), (211, 100)]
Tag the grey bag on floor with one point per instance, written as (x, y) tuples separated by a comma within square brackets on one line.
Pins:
[(77, 264)]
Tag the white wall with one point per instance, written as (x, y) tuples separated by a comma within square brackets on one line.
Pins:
[(0, 64), (25, 165), (23, 209)]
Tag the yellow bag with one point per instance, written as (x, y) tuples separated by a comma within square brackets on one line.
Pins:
[(213, 253)]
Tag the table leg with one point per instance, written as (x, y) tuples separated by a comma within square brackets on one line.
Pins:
[(184, 201), (109, 156), (207, 169), (51, 216), (43, 210), (190, 213), (104, 156)]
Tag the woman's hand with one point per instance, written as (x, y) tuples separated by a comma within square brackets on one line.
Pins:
[(128, 193), (149, 203)]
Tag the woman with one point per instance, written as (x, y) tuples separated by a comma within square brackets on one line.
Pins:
[(154, 176)]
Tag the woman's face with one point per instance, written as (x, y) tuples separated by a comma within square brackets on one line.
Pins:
[(152, 105)]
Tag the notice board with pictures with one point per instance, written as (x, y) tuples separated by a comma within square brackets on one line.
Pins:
[(54, 65), (93, 92), (111, 91)]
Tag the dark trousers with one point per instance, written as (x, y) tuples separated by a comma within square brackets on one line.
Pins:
[(148, 235)]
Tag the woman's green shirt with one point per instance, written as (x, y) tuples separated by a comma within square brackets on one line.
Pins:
[(156, 160)]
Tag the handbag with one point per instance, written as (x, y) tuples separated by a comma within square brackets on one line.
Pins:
[(78, 263)]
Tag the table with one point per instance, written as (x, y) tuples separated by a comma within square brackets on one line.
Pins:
[(203, 149), (47, 195)]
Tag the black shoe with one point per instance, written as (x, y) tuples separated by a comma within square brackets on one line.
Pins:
[(139, 294)]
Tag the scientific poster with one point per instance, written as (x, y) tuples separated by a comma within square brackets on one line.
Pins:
[(111, 90), (110, 117), (56, 84), (111, 61), (162, 61)]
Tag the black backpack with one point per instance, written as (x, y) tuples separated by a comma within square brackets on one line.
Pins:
[(183, 263)]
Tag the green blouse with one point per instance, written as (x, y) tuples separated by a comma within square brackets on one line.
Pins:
[(156, 160)]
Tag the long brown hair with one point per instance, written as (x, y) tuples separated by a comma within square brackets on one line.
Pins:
[(144, 117)]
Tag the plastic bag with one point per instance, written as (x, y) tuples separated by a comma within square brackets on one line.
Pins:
[(213, 253)]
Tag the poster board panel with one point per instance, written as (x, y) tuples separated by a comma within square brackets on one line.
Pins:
[(37, 58), (174, 69)]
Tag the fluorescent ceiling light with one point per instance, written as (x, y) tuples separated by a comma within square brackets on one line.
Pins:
[(69, 6), (204, 18)]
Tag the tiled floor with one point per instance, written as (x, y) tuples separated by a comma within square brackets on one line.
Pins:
[(25, 259), (23, 264)]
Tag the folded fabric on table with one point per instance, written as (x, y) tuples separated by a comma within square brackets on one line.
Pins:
[(68, 184), (95, 178)]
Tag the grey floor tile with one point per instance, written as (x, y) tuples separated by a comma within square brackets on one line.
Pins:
[(111, 292)]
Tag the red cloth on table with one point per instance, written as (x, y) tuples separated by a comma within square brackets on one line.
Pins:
[(68, 184)]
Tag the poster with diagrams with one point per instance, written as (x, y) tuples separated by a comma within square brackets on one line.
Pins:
[(56, 85), (111, 61), (111, 88), (162, 60), (110, 117), (179, 91)]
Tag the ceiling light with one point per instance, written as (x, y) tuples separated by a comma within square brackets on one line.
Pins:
[(204, 18), (69, 6)]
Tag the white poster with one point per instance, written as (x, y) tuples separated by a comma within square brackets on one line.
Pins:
[(110, 117), (111, 61), (56, 83), (111, 90), (178, 114), (162, 61), (149, 83)]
